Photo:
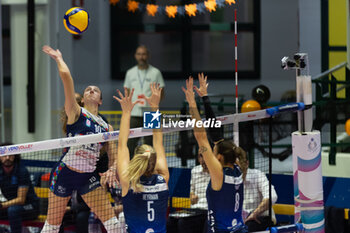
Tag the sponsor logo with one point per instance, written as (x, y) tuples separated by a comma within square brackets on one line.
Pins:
[(65, 142), (312, 146), (3, 150), (114, 134), (20, 148), (61, 189), (88, 123), (106, 136), (149, 230), (151, 120)]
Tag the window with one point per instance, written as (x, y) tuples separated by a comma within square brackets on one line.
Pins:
[(187, 45)]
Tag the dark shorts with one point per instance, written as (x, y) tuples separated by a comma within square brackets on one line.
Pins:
[(63, 181)]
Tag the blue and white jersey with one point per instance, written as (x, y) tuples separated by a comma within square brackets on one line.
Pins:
[(145, 212), (225, 205), (84, 157)]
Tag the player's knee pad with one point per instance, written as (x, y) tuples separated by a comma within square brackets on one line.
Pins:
[(112, 225), (50, 228)]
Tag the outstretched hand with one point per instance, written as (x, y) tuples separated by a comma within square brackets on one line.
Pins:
[(189, 91), (154, 99), (126, 100), (55, 54), (203, 85)]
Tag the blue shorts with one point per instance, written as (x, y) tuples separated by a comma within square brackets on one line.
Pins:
[(63, 181)]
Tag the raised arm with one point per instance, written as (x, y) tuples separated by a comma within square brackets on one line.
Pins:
[(123, 156), (71, 106), (214, 166), (216, 134), (161, 165)]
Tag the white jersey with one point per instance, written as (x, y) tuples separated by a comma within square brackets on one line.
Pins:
[(84, 157)]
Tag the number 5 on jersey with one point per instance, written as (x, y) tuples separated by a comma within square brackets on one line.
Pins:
[(150, 211)]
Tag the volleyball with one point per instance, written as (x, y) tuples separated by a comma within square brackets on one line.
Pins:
[(76, 20)]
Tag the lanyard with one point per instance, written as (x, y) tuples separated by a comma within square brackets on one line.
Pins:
[(144, 78)]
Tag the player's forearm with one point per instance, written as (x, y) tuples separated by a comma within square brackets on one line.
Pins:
[(63, 68), (124, 129), (15, 201)]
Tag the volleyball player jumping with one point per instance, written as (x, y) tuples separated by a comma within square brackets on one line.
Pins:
[(225, 189), (76, 168)]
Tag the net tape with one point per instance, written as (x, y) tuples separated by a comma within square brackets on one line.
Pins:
[(141, 132)]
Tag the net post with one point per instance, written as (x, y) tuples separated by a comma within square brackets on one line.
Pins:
[(236, 61), (307, 168)]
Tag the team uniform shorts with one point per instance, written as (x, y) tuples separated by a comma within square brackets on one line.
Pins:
[(63, 181)]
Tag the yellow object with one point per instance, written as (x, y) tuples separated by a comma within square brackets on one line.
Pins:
[(283, 209), (337, 24), (181, 202), (335, 58), (41, 192), (250, 105), (76, 20)]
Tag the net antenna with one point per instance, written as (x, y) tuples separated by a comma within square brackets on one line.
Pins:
[(306, 144), (236, 62)]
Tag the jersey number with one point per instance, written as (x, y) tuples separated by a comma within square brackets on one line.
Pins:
[(236, 202), (150, 211)]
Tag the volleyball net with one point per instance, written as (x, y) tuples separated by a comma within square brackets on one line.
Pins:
[(188, 181)]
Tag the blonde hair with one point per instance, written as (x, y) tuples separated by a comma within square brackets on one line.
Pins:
[(143, 163)]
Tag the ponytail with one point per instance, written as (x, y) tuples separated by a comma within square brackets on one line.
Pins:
[(143, 163)]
